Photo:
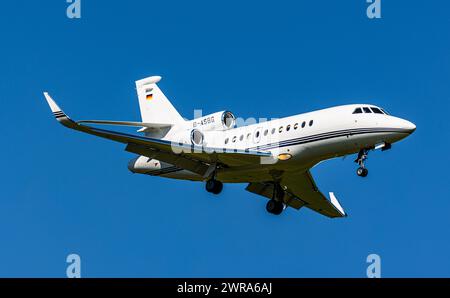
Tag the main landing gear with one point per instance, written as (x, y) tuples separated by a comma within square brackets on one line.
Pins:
[(214, 186), (275, 205), (362, 156)]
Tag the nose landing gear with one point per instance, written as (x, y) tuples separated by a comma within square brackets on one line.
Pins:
[(362, 156), (362, 172)]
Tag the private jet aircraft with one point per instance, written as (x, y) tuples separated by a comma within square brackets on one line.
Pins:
[(273, 157)]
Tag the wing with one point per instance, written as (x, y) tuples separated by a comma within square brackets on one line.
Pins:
[(193, 158), (301, 190)]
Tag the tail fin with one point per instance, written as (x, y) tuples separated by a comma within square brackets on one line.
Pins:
[(154, 105)]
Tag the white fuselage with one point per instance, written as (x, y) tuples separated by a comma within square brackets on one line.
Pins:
[(301, 141)]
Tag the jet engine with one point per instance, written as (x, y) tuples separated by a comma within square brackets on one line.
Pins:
[(218, 121)]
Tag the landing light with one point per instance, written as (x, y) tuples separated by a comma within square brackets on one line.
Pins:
[(284, 156)]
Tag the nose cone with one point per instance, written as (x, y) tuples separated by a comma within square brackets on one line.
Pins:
[(404, 125), (409, 126)]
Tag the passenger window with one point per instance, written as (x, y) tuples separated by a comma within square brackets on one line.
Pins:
[(288, 128), (311, 123), (367, 110), (249, 135), (226, 140), (357, 111), (257, 134), (280, 130), (303, 124), (273, 130), (295, 125), (266, 132), (376, 110), (241, 138), (234, 139)]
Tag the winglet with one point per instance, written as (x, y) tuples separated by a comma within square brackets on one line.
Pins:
[(53, 106), (336, 204), (57, 112)]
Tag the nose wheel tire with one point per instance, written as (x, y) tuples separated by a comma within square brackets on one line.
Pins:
[(274, 207), (362, 172), (362, 156), (214, 186)]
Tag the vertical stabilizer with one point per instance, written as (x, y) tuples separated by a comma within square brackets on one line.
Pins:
[(154, 105)]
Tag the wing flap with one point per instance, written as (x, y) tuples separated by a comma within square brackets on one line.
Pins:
[(176, 160), (301, 190), (304, 187), (266, 190)]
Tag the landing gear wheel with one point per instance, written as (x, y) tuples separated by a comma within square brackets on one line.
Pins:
[(214, 186), (362, 172), (362, 156), (274, 207)]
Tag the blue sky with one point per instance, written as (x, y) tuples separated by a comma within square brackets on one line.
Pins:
[(64, 192)]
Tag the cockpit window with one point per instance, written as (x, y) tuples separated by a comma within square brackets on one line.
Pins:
[(384, 111), (367, 110), (376, 110), (357, 111)]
